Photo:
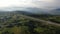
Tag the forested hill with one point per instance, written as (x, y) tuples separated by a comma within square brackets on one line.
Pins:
[(28, 23)]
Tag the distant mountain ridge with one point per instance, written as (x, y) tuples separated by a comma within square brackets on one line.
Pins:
[(33, 10), (55, 12)]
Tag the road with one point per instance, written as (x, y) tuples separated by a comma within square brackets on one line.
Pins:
[(39, 20), (36, 19)]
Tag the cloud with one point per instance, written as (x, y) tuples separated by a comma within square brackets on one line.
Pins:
[(47, 4), (43, 4), (18, 3)]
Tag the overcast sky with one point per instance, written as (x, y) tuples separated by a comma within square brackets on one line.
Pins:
[(43, 4)]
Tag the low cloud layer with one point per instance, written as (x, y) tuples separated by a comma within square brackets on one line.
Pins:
[(42, 4), (48, 4)]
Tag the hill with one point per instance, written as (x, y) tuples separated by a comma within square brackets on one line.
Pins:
[(21, 22)]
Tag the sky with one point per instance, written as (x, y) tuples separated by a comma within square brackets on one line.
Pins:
[(42, 4)]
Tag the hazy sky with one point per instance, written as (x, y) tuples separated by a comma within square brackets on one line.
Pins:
[(44, 4)]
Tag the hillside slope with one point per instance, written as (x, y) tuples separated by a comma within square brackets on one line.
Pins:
[(17, 23)]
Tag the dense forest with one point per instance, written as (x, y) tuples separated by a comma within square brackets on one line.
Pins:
[(14, 23)]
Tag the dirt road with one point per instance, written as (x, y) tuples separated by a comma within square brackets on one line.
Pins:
[(39, 20)]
